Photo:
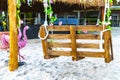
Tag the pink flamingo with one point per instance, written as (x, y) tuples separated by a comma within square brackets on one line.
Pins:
[(21, 42), (5, 40)]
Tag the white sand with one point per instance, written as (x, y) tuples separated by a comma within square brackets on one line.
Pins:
[(62, 68)]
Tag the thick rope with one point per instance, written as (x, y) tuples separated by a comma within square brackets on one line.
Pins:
[(104, 23), (45, 22)]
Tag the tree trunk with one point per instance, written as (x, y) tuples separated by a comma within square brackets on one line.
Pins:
[(13, 62)]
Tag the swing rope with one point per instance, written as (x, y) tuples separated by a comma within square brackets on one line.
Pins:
[(107, 6), (45, 3), (45, 22)]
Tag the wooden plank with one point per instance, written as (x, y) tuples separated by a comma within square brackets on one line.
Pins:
[(58, 36), (111, 47), (90, 54), (13, 61), (73, 42), (44, 42), (78, 27), (89, 28), (102, 13), (57, 44), (87, 36), (80, 53), (60, 53), (106, 46), (59, 28), (87, 45)]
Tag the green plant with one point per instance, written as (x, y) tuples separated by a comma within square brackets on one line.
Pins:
[(107, 17), (3, 22), (18, 5), (49, 12)]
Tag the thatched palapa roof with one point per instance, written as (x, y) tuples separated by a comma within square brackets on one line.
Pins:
[(71, 5), (85, 3), (58, 5)]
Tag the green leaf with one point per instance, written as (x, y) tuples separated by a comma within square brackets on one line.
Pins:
[(51, 40), (109, 27), (18, 20), (111, 1), (79, 32), (100, 22)]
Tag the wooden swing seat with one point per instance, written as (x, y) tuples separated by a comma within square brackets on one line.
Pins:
[(65, 41)]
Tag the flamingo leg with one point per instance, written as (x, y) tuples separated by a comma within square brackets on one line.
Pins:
[(20, 57)]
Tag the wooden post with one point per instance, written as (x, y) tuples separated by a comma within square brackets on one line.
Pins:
[(102, 13), (107, 46), (44, 42), (13, 62), (73, 42), (111, 47)]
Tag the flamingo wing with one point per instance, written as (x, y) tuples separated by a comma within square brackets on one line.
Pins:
[(5, 41)]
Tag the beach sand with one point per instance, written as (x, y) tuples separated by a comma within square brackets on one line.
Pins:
[(61, 68)]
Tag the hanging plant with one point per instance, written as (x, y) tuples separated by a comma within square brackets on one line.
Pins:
[(3, 21), (4, 25), (48, 14), (18, 5), (49, 11), (18, 12), (107, 17)]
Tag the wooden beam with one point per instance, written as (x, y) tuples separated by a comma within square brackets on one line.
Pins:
[(102, 13), (44, 42), (58, 36), (91, 54), (73, 43), (13, 62), (90, 28), (59, 53), (87, 45), (88, 36), (78, 27), (106, 46), (111, 47)]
